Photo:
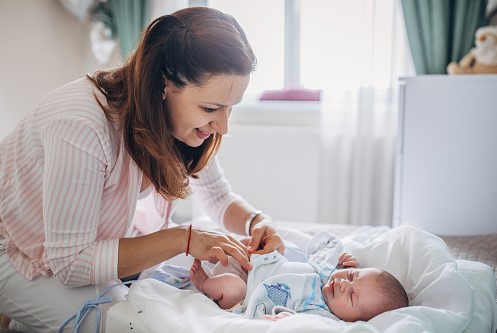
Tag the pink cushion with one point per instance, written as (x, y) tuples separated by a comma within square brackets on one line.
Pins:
[(291, 94)]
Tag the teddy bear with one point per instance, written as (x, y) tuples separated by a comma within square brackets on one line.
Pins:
[(482, 59)]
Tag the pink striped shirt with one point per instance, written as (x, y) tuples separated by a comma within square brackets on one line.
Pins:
[(68, 190)]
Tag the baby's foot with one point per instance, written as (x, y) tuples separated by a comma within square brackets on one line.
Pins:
[(198, 275)]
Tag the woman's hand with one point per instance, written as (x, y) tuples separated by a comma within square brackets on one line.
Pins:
[(214, 247), (265, 238)]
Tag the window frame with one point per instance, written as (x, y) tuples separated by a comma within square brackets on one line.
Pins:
[(291, 71)]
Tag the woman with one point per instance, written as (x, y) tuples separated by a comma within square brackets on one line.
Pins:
[(72, 172)]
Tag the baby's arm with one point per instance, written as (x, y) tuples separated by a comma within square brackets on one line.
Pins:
[(347, 260)]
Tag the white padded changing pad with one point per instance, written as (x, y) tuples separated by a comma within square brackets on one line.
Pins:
[(446, 296)]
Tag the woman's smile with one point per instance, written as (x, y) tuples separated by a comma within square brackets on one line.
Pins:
[(201, 134), (197, 112)]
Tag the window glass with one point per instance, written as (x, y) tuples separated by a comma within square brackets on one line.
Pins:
[(343, 44), (346, 43), (263, 22)]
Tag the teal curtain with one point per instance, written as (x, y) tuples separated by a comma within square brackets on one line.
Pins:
[(441, 31), (130, 17)]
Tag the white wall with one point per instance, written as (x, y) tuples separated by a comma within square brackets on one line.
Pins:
[(42, 46), (271, 158), (275, 168)]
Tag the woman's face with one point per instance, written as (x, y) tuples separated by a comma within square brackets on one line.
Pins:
[(196, 112)]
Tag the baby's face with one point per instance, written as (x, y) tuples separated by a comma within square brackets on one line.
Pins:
[(351, 293)]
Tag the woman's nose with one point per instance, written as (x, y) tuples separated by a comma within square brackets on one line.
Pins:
[(220, 122)]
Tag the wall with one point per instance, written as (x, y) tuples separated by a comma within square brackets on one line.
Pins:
[(42, 47), (271, 158), (275, 169)]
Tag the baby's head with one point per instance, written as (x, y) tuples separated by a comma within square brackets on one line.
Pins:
[(363, 293)]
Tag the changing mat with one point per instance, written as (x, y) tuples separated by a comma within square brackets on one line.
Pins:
[(442, 299)]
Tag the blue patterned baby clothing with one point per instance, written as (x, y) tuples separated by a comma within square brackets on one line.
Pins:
[(274, 283), (290, 292)]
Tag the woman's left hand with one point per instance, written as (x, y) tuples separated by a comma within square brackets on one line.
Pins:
[(265, 239)]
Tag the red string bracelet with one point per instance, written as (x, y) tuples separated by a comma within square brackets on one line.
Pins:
[(189, 239)]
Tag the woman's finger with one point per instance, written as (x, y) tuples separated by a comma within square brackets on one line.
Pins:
[(255, 241), (213, 246), (262, 229), (217, 254), (238, 255), (239, 244), (271, 243)]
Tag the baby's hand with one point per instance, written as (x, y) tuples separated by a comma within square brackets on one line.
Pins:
[(278, 316), (347, 260)]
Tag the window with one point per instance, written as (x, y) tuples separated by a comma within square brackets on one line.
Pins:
[(324, 43), (263, 21)]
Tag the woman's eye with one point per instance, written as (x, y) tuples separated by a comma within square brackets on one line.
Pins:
[(209, 110)]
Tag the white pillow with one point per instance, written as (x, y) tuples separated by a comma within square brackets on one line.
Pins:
[(441, 299), (482, 278)]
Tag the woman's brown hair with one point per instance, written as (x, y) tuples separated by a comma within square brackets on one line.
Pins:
[(186, 47)]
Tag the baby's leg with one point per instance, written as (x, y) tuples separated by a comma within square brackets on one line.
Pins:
[(227, 289)]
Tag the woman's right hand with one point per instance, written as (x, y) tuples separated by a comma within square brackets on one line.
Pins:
[(214, 246)]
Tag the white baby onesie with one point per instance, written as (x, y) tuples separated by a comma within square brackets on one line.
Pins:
[(275, 284)]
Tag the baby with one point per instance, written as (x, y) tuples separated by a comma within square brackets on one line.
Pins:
[(276, 287)]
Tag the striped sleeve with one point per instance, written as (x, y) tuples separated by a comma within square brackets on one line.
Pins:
[(214, 191), (73, 182)]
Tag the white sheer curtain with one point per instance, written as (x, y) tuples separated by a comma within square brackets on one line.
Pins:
[(354, 51), (359, 119)]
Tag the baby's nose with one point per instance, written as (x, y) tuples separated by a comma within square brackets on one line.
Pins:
[(344, 285)]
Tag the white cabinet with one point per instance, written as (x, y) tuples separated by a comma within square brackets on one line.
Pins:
[(446, 165)]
